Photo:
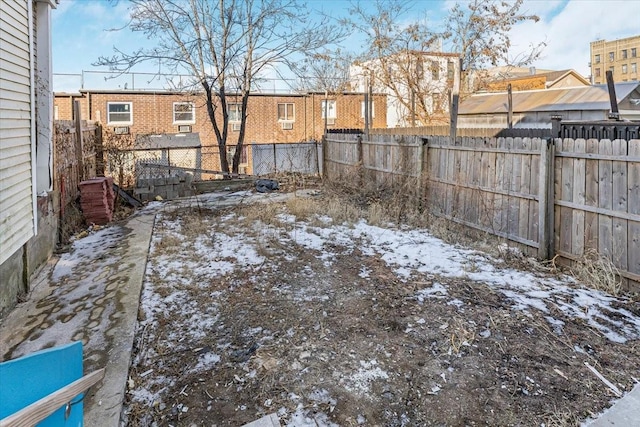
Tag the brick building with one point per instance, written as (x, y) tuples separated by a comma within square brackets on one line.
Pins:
[(620, 56), (281, 118)]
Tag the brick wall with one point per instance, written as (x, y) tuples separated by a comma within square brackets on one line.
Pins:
[(152, 113)]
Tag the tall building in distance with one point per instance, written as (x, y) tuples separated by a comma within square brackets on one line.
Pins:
[(621, 56)]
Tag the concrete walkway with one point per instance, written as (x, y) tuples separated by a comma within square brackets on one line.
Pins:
[(91, 295), (624, 413)]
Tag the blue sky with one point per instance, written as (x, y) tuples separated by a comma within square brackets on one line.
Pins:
[(80, 34)]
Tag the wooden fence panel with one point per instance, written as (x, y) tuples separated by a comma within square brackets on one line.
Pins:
[(633, 206), (604, 208), (619, 199), (494, 184), (70, 169)]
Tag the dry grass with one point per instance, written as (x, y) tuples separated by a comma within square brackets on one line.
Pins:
[(598, 271), (303, 208), (562, 418), (266, 213)]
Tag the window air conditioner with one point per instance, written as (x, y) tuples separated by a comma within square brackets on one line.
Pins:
[(184, 128), (235, 127), (121, 130), (287, 125), (331, 121)]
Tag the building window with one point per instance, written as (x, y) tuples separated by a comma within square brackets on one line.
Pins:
[(235, 112), (329, 113), (184, 113), (634, 68), (612, 56), (634, 52), (612, 69), (435, 70), (119, 113), (371, 105), (624, 53), (597, 72), (624, 68), (597, 58), (450, 70), (286, 112)]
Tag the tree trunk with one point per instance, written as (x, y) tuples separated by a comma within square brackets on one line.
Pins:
[(221, 135), (237, 156)]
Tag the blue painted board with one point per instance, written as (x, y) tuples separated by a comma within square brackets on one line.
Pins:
[(28, 379)]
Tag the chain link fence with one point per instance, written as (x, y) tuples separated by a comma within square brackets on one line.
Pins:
[(129, 166)]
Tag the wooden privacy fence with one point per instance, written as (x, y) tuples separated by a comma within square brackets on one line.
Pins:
[(75, 159), (549, 196)]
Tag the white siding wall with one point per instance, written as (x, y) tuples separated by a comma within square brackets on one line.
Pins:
[(16, 196)]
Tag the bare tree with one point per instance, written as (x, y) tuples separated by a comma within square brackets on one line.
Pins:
[(403, 55), (324, 72), (393, 58), (479, 31), (225, 45)]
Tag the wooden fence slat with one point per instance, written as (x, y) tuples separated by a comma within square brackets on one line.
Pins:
[(619, 196), (591, 196), (546, 208), (525, 187), (605, 199), (579, 177), (566, 184)]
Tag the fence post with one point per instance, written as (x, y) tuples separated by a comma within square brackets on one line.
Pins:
[(79, 142), (546, 200), (423, 154), (315, 148), (360, 164), (99, 151), (325, 156), (275, 159)]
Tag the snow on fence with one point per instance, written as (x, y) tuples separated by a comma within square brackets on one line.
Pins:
[(550, 196)]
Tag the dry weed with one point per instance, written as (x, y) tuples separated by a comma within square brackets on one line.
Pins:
[(461, 335), (169, 243), (303, 208), (266, 213), (342, 212), (561, 418), (598, 271)]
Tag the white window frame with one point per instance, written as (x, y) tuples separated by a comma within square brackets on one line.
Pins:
[(333, 109), (184, 122), (238, 111), (373, 109), (289, 118), (119, 123)]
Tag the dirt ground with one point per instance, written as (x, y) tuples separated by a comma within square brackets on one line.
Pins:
[(248, 311)]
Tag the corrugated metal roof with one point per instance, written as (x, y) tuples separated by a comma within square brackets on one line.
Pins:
[(577, 98), (167, 140)]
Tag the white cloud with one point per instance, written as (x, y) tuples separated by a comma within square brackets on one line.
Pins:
[(569, 30)]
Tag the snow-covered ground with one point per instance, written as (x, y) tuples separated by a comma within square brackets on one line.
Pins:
[(187, 256)]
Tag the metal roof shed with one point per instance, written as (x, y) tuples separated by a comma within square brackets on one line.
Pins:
[(534, 108)]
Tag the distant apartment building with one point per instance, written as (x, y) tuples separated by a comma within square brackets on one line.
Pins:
[(271, 118), (621, 56), (417, 85)]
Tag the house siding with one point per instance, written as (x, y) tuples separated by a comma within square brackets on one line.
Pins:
[(16, 199)]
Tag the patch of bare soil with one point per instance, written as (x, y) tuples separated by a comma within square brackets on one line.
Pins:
[(343, 340)]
